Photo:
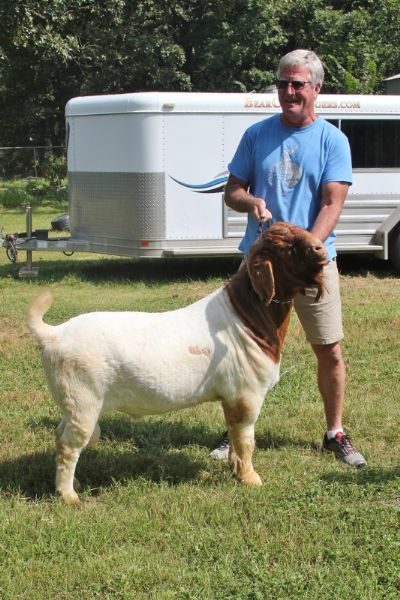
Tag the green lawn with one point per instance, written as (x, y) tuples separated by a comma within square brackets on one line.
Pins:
[(159, 519)]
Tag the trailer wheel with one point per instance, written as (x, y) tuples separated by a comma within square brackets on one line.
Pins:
[(12, 254), (61, 223), (395, 250)]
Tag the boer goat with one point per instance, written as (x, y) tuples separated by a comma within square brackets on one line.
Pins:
[(225, 347)]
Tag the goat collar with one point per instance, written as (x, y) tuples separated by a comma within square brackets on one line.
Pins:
[(281, 301)]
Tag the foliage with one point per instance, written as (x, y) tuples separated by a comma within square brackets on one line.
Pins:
[(50, 52), (55, 170), (159, 519), (16, 193)]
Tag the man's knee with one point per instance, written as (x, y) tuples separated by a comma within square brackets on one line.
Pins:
[(331, 353)]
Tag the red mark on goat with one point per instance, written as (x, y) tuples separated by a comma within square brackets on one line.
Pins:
[(197, 351)]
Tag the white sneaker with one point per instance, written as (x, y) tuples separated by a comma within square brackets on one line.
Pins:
[(221, 450)]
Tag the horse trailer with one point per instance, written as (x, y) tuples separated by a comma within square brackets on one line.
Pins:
[(146, 173)]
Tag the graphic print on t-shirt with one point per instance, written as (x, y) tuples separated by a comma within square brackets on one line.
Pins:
[(286, 173)]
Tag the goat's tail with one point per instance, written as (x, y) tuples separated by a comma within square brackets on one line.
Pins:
[(41, 331)]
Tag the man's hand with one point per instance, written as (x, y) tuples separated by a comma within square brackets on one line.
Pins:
[(238, 198), (259, 210)]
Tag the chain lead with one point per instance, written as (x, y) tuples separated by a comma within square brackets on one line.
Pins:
[(260, 228)]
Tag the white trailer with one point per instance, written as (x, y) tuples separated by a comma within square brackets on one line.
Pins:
[(146, 172)]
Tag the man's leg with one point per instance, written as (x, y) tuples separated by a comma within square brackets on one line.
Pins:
[(322, 323), (331, 382)]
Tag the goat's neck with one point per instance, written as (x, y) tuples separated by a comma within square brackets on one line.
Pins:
[(266, 324)]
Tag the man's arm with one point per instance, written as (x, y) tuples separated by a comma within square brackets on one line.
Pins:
[(333, 196), (238, 198)]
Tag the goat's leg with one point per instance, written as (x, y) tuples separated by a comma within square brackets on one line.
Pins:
[(95, 436), (71, 437), (58, 433), (240, 420), (60, 428)]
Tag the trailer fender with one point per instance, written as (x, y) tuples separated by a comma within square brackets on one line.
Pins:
[(387, 234), (394, 248)]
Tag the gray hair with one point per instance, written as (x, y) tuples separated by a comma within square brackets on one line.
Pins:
[(303, 58)]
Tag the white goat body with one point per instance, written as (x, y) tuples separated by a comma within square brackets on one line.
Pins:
[(149, 363)]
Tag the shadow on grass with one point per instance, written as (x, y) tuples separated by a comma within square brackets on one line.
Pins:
[(154, 456), (130, 270), (361, 265), (32, 476), (165, 434), (148, 433)]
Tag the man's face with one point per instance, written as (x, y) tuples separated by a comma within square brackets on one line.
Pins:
[(297, 105)]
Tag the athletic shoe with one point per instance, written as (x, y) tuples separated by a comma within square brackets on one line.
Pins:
[(221, 450), (344, 450)]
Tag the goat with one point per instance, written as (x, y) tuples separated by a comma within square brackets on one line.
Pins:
[(225, 347)]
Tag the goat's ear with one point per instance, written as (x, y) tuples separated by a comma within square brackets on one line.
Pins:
[(261, 277)]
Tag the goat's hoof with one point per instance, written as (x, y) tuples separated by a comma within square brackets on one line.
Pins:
[(251, 479), (69, 498)]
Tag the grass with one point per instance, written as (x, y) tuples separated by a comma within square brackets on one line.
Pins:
[(159, 519)]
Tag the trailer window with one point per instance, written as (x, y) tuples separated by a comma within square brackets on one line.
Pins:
[(374, 144)]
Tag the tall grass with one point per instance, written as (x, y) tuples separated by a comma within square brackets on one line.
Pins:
[(159, 519)]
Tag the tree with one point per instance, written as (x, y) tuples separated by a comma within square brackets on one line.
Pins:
[(62, 48), (51, 51)]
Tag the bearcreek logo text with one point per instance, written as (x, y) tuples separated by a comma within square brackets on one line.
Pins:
[(273, 102)]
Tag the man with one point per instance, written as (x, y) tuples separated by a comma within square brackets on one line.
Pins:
[(296, 167)]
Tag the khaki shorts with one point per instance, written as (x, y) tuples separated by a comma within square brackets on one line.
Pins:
[(322, 320)]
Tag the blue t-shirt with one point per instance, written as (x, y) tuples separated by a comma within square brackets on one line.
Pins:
[(286, 166)]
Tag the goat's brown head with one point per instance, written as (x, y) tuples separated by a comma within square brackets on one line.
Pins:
[(284, 261)]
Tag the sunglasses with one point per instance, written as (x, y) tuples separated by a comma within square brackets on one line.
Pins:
[(282, 84)]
